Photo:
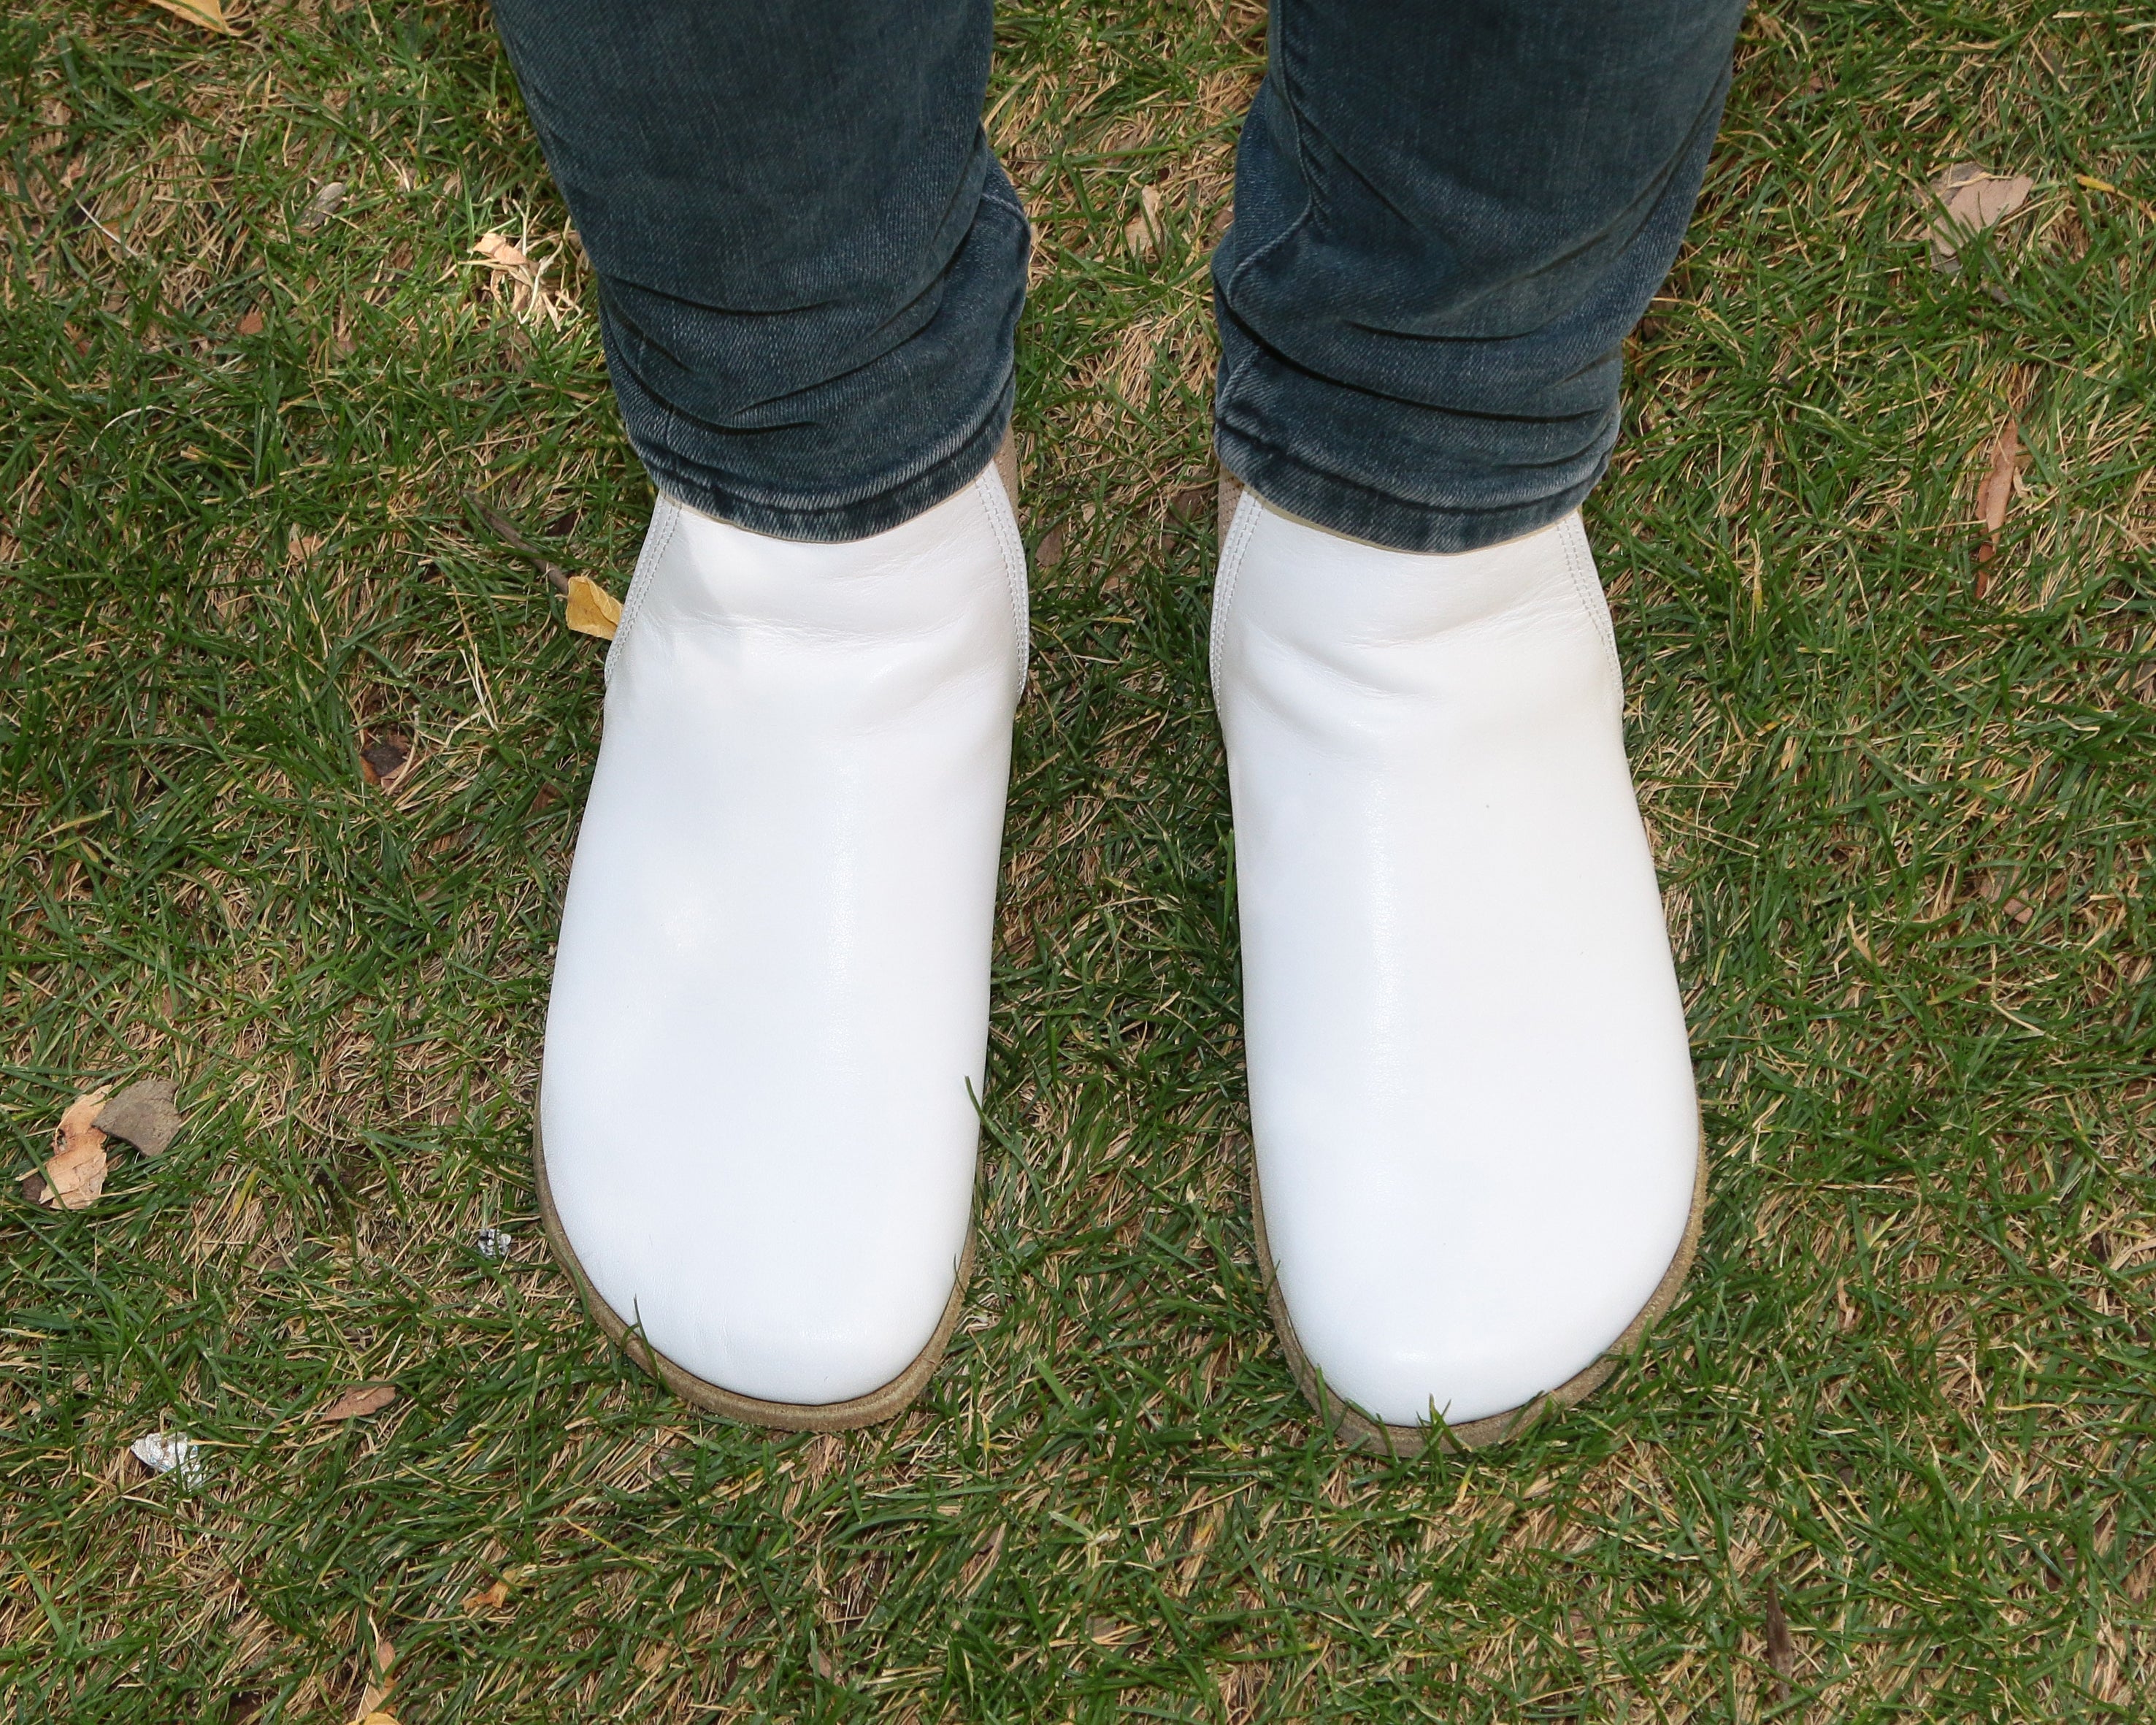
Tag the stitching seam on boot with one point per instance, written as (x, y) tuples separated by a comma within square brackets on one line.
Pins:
[(655, 543), (998, 503), (1245, 523), (1579, 562)]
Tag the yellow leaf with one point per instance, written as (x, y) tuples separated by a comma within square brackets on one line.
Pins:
[(209, 14), (593, 611), (2093, 183)]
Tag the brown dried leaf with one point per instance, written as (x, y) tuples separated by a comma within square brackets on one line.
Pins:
[(75, 1178), (1997, 490), (487, 1599), (251, 324), (209, 14), (379, 1683), (1146, 229), (1995, 494), (592, 610), (503, 251), (1975, 199), (1781, 1652), (146, 1114), (383, 756), (321, 206), (359, 1400), (525, 273)]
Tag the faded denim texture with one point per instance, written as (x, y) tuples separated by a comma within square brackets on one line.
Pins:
[(1448, 215), (810, 265)]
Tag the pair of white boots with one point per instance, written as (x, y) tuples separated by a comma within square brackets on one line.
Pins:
[(1478, 1168)]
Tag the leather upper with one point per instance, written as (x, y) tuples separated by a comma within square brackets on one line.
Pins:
[(1471, 1089), (772, 990)]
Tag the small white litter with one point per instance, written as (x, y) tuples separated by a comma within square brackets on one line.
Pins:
[(170, 1453), (494, 1242)]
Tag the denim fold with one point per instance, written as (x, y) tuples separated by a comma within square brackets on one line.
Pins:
[(811, 267)]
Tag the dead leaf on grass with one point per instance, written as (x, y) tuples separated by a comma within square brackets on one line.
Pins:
[(505, 252), (592, 610), (1997, 491), (1995, 496), (359, 1400), (1146, 229), (380, 1681), (383, 757), (209, 14), (74, 1176), (525, 276), (487, 1599), (251, 324), (322, 206), (1975, 200), (146, 1114), (1781, 1652)]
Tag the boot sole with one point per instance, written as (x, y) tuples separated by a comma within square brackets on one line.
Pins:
[(893, 1399), (1354, 1429)]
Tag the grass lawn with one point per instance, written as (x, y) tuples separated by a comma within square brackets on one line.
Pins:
[(1889, 1458)]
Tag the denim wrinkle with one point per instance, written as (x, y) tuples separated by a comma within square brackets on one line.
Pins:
[(811, 266), (1447, 220)]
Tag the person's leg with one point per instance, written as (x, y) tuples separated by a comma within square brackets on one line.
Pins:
[(769, 1017), (1478, 1166), (1447, 220), (810, 265)]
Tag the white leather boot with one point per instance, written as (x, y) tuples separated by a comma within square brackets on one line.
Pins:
[(771, 998), (1478, 1168)]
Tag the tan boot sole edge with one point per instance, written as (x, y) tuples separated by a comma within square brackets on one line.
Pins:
[(877, 1405), (1357, 1430)]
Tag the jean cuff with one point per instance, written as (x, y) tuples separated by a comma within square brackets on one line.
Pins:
[(1361, 511), (944, 474)]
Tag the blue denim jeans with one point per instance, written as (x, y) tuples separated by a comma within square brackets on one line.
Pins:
[(1448, 215)]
